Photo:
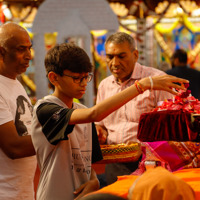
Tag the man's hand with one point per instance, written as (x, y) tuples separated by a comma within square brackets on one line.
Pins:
[(90, 186), (102, 134)]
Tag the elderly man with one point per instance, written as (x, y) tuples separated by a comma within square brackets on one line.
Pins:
[(17, 169)]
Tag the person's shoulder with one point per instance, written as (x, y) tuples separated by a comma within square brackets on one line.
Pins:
[(38, 102), (106, 81), (194, 70), (41, 101), (78, 105), (151, 71), (170, 70)]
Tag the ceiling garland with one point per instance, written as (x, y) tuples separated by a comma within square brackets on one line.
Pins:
[(159, 30)]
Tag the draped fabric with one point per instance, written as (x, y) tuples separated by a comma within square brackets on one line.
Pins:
[(159, 183), (169, 137), (174, 125), (176, 155), (123, 184)]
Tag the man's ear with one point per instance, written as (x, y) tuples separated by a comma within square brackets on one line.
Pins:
[(136, 54), (53, 78), (2, 51)]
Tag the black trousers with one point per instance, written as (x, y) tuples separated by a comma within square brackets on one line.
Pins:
[(119, 169)]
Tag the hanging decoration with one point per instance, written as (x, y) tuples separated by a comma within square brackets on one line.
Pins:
[(30, 33), (162, 43), (159, 29), (142, 9), (182, 19), (98, 52), (17, 12), (147, 28), (180, 10), (164, 30), (189, 25), (29, 82), (6, 11), (2, 16)]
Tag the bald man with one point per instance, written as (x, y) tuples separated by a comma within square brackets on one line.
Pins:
[(17, 160)]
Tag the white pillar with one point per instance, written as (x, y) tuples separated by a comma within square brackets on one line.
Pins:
[(40, 73)]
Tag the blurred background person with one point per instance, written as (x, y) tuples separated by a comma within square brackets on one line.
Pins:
[(182, 70), (164, 66)]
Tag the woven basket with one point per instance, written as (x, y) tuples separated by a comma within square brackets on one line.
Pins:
[(121, 153)]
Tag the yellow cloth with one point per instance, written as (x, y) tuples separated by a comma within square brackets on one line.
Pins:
[(122, 185)]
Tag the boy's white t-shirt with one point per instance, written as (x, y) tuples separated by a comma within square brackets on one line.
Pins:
[(16, 176), (67, 164)]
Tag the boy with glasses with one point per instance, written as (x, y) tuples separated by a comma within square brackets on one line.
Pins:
[(65, 141)]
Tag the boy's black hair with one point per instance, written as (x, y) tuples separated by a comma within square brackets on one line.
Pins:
[(67, 56)]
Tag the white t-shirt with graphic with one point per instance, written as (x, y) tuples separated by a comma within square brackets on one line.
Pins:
[(64, 152), (16, 176)]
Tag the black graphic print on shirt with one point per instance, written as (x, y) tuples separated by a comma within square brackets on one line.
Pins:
[(23, 115)]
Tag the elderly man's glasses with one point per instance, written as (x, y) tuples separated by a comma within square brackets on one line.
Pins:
[(79, 80)]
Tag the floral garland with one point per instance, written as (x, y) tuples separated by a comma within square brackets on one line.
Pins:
[(183, 19), (161, 30)]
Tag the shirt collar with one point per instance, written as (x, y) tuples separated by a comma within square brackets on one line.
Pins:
[(137, 72)]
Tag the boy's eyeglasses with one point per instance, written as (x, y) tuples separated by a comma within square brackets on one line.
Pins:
[(79, 80)]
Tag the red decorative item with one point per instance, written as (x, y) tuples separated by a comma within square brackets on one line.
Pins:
[(2, 17), (183, 101), (176, 119)]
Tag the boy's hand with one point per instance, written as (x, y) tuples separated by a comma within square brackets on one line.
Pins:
[(102, 134), (90, 186)]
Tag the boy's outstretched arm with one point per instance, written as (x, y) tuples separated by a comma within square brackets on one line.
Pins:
[(90, 186), (107, 106)]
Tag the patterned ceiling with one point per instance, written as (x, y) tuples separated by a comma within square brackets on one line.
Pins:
[(151, 4), (128, 8)]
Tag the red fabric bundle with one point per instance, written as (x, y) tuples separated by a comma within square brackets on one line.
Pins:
[(171, 120), (174, 125)]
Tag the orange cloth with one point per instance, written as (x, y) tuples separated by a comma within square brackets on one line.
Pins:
[(121, 187), (159, 183)]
